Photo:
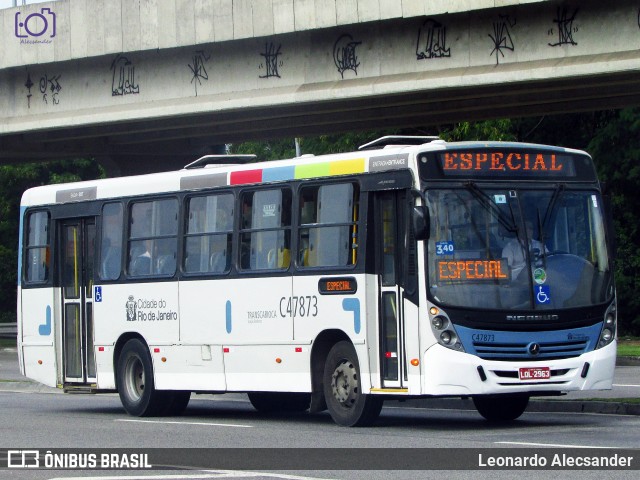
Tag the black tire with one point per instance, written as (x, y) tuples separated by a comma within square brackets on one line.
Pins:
[(176, 403), (276, 402), (135, 381), (501, 408), (346, 403)]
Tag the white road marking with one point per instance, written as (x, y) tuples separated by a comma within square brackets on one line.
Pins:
[(555, 445), (205, 475), (207, 424)]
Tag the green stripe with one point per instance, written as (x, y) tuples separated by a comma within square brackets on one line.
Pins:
[(313, 170)]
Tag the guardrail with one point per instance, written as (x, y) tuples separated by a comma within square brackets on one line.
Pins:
[(8, 330)]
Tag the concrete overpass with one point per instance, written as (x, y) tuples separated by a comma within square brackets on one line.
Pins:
[(152, 84)]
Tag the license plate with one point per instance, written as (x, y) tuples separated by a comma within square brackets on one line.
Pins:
[(535, 373)]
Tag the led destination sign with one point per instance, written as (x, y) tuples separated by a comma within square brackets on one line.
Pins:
[(337, 286), (511, 163), (472, 270)]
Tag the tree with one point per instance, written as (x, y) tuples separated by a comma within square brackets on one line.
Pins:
[(616, 149), (14, 180)]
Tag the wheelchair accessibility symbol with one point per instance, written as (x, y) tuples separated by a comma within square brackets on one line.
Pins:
[(543, 294)]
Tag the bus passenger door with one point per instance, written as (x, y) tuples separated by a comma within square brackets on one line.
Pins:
[(388, 252), (76, 254)]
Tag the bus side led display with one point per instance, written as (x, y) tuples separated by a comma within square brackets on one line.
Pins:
[(473, 270), (514, 163), (333, 286)]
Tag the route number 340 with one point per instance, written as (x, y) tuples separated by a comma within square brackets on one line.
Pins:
[(444, 248)]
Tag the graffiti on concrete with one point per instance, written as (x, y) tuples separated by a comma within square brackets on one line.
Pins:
[(29, 85), (124, 77), (50, 86), (198, 69), (565, 26), (501, 37), (432, 41), (272, 60), (344, 54)]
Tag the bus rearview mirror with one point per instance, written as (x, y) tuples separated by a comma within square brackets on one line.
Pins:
[(420, 222)]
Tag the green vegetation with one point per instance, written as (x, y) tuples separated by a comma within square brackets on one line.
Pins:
[(14, 180), (613, 400), (628, 347), (7, 342)]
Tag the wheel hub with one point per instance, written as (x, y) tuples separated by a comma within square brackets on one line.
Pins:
[(134, 373), (344, 383)]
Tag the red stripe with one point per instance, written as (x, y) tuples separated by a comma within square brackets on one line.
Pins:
[(246, 176)]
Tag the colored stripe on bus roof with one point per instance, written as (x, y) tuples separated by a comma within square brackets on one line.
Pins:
[(278, 174), (312, 170), (346, 167), (245, 176), (322, 169)]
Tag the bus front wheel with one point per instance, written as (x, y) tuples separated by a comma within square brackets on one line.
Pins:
[(346, 403), (501, 408), (135, 381)]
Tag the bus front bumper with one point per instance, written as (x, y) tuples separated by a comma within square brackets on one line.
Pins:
[(451, 373)]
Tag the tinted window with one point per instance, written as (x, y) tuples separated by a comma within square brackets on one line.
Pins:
[(328, 233), (111, 242), (265, 231), (153, 240), (37, 256), (207, 246)]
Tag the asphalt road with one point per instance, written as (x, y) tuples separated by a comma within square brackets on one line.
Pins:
[(50, 421), (34, 416)]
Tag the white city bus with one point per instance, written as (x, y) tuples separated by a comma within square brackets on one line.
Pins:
[(410, 268)]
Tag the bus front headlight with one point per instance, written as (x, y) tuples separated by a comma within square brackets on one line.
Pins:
[(444, 331), (608, 333)]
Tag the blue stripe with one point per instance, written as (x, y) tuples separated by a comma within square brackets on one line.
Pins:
[(228, 315), (353, 305), (278, 174), (45, 328)]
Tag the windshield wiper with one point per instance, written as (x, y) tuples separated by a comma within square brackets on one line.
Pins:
[(557, 193), (491, 207), (542, 254)]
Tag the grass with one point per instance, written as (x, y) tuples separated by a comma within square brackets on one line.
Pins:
[(633, 401), (628, 347), (7, 342)]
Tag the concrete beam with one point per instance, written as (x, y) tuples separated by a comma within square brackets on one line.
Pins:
[(524, 58), (92, 28)]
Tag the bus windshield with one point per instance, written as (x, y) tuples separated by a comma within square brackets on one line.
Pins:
[(517, 248)]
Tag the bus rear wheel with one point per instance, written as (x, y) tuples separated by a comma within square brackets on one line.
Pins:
[(501, 408), (346, 403), (273, 402), (135, 381), (176, 403)]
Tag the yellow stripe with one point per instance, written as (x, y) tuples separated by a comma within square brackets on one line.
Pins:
[(345, 167)]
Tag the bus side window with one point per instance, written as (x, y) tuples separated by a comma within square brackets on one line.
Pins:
[(207, 246), (38, 258), (266, 230), (111, 241), (153, 238), (328, 233)]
